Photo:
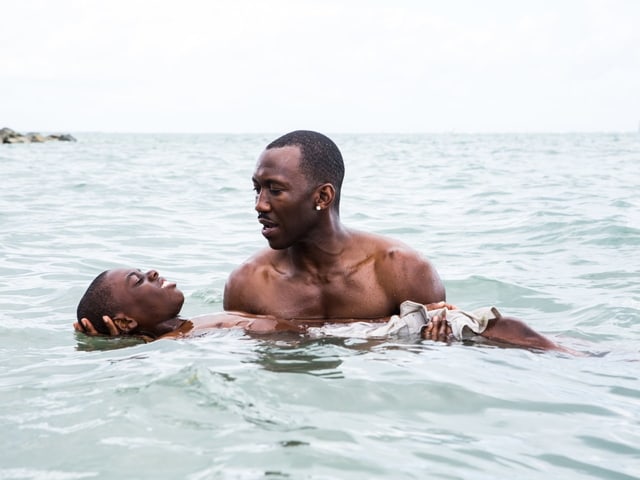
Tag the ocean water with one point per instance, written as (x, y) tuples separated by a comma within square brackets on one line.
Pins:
[(546, 227)]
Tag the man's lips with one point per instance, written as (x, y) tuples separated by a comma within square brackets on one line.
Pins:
[(266, 223), (268, 226), (165, 284)]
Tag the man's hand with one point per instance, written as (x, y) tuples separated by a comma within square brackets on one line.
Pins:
[(86, 327), (438, 328), (436, 306)]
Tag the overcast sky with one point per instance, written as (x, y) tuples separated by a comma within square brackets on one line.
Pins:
[(333, 65)]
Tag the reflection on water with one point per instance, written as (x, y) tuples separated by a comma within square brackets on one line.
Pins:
[(301, 356), (87, 343)]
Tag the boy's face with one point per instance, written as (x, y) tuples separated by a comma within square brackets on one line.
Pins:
[(146, 297)]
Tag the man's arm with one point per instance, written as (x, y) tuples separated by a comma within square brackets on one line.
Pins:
[(503, 330), (256, 324), (406, 275)]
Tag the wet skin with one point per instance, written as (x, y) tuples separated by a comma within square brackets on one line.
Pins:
[(315, 269), (148, 306)]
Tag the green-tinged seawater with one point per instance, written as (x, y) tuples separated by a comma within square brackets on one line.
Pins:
[(546, 227)]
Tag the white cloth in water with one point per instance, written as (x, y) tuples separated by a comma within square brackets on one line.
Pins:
[(412, 319)]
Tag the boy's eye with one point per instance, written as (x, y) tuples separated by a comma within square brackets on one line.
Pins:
[(135, 278)]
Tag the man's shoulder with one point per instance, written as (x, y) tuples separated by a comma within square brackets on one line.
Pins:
[(259, 260), (383, 247), (256, 270), (394, 257), (403, 272), (245, 281)]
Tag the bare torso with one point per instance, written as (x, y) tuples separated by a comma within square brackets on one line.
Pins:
[(367, 279)]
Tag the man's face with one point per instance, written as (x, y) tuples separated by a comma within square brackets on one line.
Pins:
[(146, 297), (284, 199)]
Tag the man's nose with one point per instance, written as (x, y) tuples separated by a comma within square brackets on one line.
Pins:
[(262, 204)]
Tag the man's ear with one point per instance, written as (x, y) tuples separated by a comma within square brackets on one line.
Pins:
[(124, 324), (325, 194)]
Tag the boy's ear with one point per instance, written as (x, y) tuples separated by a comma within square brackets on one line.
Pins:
[(124, 324)]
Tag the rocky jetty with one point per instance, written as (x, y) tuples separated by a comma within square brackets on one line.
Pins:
[(10, 136)]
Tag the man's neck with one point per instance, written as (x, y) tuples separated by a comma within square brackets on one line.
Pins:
[(322, 251)]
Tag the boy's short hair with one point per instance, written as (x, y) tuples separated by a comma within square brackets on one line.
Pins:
[(96, 302)]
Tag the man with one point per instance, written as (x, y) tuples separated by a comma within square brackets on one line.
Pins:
[(316, 269)]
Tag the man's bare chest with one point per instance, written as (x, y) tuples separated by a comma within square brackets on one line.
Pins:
[(352, 295)]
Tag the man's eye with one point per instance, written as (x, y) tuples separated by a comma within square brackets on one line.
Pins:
[(275, 189)]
